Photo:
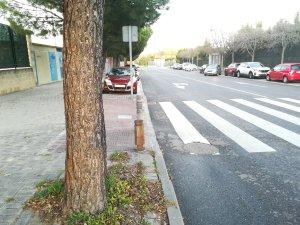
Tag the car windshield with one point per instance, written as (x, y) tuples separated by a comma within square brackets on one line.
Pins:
[(296, 67), (212, 67), (255, 65), (120, 72)]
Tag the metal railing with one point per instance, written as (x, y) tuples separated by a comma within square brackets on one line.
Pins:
[(13, 48)]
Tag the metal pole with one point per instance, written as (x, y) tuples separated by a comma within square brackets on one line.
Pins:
[(130, 57)]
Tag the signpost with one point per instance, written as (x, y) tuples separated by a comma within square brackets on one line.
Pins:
[(130, 34)]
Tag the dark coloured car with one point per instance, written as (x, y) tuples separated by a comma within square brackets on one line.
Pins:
[(214, 69), (231, 69), (202, 68)]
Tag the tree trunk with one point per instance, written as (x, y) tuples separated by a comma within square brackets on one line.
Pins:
[(253, 56), (282, 54), (232, 57), (86, 148)]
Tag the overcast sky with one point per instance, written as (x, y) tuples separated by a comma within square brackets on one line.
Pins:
[(188, 22)]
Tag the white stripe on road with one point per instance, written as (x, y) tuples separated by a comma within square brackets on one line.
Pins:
[(280, 104), (272, 128), (255, 85), (185, 130), (291, 100), (273, 112), (245, 140)]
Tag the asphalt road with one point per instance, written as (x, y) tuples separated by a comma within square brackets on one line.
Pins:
[(231, 145)]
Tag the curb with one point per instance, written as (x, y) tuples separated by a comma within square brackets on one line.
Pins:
[(174, 213)]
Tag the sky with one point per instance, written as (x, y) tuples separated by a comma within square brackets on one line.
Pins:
[(189, 22)]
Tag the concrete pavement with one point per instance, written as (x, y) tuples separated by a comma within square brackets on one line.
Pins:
[(32, 146)]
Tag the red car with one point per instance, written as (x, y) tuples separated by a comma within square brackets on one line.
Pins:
[(118, 80), (231, 69), (285, 72)]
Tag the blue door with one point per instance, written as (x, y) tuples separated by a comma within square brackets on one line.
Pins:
[(53, 69)]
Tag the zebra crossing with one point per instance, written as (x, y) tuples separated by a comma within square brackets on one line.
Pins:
[(281, 109)]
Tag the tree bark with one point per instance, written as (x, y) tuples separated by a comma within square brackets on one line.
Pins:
[(282, 54), (85, 167)]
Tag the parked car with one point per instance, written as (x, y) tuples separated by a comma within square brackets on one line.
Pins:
[(252, 70), (177, 66), (202, 68), (136, 69), (119, 80), (231, 69), (185, 66), (214, 69), (285, 72), (190, 67)]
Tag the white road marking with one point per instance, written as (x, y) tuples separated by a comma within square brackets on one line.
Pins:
[(124, 117), (280, 104), (185, 130), (291, 100), (245, 140), (180, 85), (255, 85), (217, 85), (272, 128), (273, 112)]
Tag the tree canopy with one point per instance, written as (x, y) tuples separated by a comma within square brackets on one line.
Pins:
[(44, 17)]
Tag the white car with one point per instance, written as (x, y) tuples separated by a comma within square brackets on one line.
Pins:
[(189, 67), (252, 70)]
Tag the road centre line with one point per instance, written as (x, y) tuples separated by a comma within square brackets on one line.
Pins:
[(245, 140), (217, 85), (272, 128), (185, 130), (273, 112), (250, 84)]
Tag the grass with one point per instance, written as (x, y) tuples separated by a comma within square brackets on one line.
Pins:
[(9, 200), (47, 199), (129, 197), (121, 157)]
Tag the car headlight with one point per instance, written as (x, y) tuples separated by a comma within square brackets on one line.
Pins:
[(107, 81)]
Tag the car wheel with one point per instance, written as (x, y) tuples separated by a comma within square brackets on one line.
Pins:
[(268, 78), (225, 73), (204, 74), (285, 79), (238, 74), (250, 75)]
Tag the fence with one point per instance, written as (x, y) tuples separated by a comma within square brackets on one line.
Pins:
[(268, 57), (13, 48)]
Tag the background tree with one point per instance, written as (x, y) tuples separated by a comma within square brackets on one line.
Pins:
[(86, 148), (232, 46), (283, 34), (44, 17), (251, 39), (218, 43)]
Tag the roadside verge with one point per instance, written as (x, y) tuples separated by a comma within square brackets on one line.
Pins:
[(174, 213)]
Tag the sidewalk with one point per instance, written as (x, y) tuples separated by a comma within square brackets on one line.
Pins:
[(32, 146)]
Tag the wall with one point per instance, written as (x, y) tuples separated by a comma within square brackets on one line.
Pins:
[(19, 79), (46, 63)]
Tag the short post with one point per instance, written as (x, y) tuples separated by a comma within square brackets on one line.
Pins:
[(139, 126)]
